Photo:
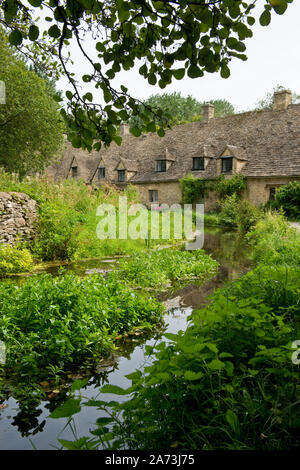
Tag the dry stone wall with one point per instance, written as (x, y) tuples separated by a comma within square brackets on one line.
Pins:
[(18, 215)]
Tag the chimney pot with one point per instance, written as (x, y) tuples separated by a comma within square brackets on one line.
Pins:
[(282, 99), (124, 130), (208, 112)]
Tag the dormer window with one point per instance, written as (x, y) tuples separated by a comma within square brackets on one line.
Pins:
[(121, 176), (101, 172), (74, 171), (161, 165), (198, 163), (226, 164)]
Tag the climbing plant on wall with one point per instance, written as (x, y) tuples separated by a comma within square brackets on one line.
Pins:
[(236, 184)]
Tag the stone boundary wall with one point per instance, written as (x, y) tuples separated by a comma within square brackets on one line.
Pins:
[(18, 215)]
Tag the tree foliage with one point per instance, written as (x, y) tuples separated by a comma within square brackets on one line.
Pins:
[(179, 109), (30, 124), (168, 40)]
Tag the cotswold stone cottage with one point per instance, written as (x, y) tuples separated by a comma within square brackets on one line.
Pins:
[(262, 145)]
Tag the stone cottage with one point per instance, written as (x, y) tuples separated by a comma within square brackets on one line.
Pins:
[(264, 146)]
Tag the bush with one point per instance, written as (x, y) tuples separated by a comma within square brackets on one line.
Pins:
[(229, 211), (14, 260), (288, 197), (235, 185), (159, 268), (275, 242), (247, 216)]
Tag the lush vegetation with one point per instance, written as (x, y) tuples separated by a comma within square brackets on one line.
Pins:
[(159, 268), (14, 260), (288, 198), (67, 218), (204, 38), (30, 117), (54, 324), (228, 381)]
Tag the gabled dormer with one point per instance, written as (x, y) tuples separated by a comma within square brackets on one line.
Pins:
[(74, 168), (231, 160), (125, 170), (163, 163), (200, 160)]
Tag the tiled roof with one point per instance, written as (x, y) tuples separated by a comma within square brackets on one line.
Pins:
[(268, 141)]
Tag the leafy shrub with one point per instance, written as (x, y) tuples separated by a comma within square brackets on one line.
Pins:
[(14, 260), (235, 185), (288, 197), (67, 320), (159, 268), (229, 211), (247, 216), (274, 242)]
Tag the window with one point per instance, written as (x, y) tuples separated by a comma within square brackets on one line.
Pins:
[(226, 164), (74, 171), (161, 165), (121, 176), (198, 163), (272, 194), (101, 172), (153, 195)]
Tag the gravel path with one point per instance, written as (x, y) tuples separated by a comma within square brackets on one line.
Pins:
[(295, 225)]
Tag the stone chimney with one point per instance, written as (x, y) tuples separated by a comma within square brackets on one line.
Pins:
[(124, 130), (282, 99), (208, 112)]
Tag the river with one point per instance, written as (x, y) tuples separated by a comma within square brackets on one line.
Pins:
[(31, 428)]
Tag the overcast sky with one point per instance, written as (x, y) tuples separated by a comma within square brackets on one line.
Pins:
[(273, 59)]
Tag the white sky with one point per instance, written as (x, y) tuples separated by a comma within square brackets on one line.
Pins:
[(273, 59)]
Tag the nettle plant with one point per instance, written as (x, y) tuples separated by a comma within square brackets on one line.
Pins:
[(168, 40)]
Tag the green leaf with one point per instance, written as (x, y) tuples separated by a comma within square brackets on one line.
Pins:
[(194, 71), (190, 375), (67, 409), (135, 131), (54, 31), (78, 384), (161, 133), (215, 364), (225, 71), (35, 3), (233, 421), (265, 18), (15, 38), (115, 389), (69, 95), (33, 32), (178, 73)]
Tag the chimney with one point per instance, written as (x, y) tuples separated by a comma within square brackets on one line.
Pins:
[(282, 99), (124, 130), (208, 112)]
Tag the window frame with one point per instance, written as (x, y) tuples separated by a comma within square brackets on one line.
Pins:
[(201, 161), (123, 179), (225, 160), (74, 171), (153, 195), (158, 167), (103, 172)]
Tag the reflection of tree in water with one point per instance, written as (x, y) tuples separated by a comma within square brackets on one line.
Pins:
[(26, 420)]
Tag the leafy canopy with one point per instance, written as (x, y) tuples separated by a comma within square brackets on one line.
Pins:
[(169, 40), (30, 123)]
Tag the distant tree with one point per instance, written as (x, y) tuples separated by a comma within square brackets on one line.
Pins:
[(178, 109), (31, 131), (267, 101)]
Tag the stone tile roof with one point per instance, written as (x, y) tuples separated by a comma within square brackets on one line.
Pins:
[(268, 141)]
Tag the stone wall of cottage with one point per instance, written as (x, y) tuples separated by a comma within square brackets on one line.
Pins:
[(18, 214), (258, 189), (168, 193)]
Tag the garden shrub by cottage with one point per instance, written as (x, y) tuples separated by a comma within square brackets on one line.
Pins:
[(14, 260)]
